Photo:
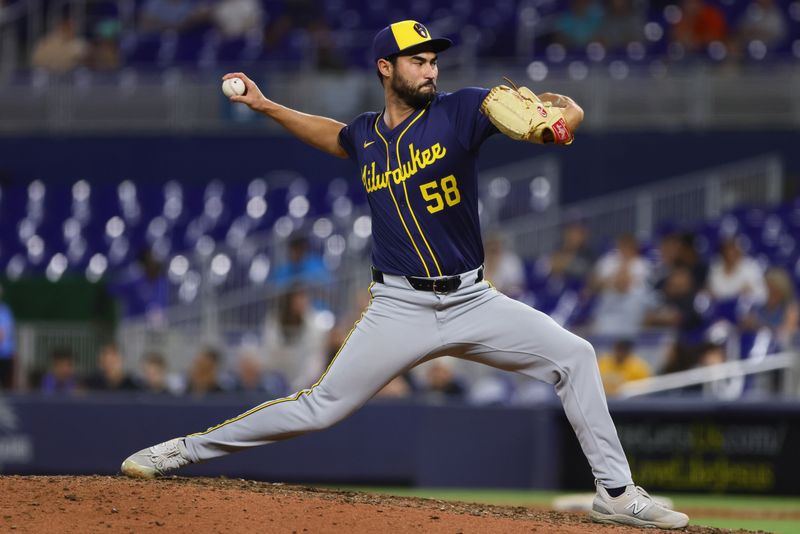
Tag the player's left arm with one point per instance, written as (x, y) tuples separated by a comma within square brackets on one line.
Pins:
[(522, 115)]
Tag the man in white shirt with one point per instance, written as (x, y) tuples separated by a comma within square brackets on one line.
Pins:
[(734, 275)]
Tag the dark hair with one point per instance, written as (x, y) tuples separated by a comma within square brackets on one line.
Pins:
[(212, 354), (156, 358), (623, 345), (298, 239), (732, 241), (391, 59), (61, 353), (110, 346)]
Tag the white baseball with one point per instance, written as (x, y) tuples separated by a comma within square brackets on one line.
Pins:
[(233, 87)]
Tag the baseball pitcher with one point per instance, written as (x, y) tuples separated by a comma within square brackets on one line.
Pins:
[(417, 160)]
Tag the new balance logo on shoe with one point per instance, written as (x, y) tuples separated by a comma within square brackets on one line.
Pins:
[(634, 507), (637, 506)]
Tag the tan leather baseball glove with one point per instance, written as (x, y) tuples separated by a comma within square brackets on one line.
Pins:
[(521, 115)]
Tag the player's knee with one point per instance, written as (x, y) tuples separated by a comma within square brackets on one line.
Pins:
[(581, 353)]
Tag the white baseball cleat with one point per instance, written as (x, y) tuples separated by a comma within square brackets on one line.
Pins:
[(156, 460), (634, 507)]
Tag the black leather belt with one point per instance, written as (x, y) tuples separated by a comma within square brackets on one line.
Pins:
[(436, 285)]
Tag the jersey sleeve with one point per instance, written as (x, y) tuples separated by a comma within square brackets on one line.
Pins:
[(464, 109), (350, 134), (346, 140)]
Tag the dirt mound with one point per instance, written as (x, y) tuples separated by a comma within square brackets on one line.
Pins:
[(202, 505)]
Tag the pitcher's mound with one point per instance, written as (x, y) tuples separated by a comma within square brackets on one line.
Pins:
[(200, 505)]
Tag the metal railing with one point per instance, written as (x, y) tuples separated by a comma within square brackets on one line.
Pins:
[(37, 340), (723, 379), (686, 200), (231, 320)]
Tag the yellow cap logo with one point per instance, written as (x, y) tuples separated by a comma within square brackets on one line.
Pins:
[(409, 33)]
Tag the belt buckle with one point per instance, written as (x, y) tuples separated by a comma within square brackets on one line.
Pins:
[(442, 286)]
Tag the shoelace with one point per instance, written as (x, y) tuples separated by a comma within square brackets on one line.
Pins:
[(166, 456)]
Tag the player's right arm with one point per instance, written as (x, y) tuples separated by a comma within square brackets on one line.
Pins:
[(320, 132)]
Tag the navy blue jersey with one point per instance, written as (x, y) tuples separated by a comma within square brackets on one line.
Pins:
[(421, 182)]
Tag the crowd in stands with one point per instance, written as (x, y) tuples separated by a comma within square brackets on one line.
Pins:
[(689, 298), (110, 35), (670, 285)]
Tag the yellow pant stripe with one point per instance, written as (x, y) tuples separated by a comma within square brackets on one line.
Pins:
[(396, 205), (297, 395), (408, 202)]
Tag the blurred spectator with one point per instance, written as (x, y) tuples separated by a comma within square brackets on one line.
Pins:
[(61, 49), (780, 312), (684, 357), (675, 307), (235, 18), (734, 275), (709, 354), (251, 378), (295, 339), (399, 387), (621, 366), (689, 258), (248, 373), (622, 292), (144, 289), (8, 346), (624, 259), (503, 267), (579, 24), (203, 376), (307, 16), (669, 251), (154, 374), (441, 380), (301, 265), (700, 24), (764, 21), (159, 15), (621, 306), (496, 388), (623, 23), (104, 54), (60, 378), (680, 357), (111, 375), (574, 258)]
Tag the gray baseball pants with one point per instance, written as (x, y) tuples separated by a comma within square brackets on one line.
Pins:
[(403, 327)]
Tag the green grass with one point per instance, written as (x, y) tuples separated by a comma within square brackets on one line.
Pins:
[(682, 501), (777, 526)]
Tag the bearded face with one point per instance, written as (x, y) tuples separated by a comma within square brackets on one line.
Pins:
[(415, 94)]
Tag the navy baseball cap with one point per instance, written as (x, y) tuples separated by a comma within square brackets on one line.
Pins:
[(403, 36)]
